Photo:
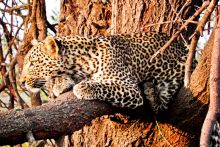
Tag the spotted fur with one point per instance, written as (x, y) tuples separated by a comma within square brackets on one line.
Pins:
[(59, 85), (109, 68), (215, 136)]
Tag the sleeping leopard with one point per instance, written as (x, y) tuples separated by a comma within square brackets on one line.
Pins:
[(109, 68)]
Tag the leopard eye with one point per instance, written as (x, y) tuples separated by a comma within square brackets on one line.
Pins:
[(33, 59), (31, 63)]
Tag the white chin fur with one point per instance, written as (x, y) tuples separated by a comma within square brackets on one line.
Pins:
[(33, 90)]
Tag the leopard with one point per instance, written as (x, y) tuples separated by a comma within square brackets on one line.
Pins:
[(109, 68), (59, 85), (214, 140)]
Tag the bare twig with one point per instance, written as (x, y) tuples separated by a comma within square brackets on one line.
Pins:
[(21, 7), (11, 42), (51, 26), (170, 145), (5, 29), (13, 13), (171, 21), (181, 10), (13, 83), (195, 38), (12, 86), (199, 11), (2, 68), (175, 11), (2, 86), (214, 91), (3, 105)]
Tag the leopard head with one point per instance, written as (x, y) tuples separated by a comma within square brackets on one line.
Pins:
[(41, 63)]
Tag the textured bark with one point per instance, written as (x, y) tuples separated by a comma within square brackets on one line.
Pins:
[(64, 116), (122, 16), (213, 111), (180, 126), (51, 120)]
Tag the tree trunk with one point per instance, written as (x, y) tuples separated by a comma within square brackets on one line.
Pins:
[(121, 16)]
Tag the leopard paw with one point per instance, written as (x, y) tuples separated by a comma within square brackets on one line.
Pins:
[(83, 91), (149, 92)]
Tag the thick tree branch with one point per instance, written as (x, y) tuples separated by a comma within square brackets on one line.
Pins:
[(214, 91), (51, 120)]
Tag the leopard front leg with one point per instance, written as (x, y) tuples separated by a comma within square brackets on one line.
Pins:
[(116, 93), (160, 95)]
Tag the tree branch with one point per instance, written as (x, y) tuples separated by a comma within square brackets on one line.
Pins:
[(199, 11), (195, 38), (214, 91), (62, 116), (10, 10)]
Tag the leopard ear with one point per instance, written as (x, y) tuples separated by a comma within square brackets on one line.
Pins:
[(50, 47)]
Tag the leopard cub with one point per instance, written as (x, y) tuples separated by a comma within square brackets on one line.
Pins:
[(109, 68)]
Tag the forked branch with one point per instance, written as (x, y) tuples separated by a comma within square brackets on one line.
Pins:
[(195, 38), (197, 13)]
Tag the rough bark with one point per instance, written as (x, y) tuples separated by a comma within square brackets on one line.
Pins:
[(122, 16), (63, 116), (213, 110), (181, 125)]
